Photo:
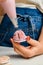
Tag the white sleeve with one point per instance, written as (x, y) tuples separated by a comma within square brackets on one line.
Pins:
[(38, 3)]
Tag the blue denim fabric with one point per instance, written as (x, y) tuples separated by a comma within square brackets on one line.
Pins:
[(42, 19), (29, 20)]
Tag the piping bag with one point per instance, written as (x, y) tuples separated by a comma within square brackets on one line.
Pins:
[(10, 8)]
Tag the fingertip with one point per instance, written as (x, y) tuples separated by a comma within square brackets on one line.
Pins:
[(28, 38), (10, 39)]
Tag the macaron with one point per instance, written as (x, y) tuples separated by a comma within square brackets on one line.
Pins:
[(4, 59), (19, 36)]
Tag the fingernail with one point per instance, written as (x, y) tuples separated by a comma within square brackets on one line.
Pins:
[(28, 38)]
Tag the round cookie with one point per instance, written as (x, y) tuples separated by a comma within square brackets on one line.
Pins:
[(4, 59)]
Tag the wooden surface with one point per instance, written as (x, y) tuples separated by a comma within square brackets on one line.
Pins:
[(21, 1), (1, 11)]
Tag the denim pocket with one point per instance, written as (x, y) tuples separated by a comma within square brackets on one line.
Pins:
[(31, 25)]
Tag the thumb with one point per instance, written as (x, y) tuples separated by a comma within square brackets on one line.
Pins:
[(32, 41), (12, 41)]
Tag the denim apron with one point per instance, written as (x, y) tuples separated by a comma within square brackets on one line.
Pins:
[(29, 21)]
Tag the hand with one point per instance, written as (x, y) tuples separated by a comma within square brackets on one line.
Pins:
[(34, 49)]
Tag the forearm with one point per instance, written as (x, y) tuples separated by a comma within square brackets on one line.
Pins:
[(41, 36)]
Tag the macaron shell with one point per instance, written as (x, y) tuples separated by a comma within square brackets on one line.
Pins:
[(19, 36), (4, 59), (22, 40)]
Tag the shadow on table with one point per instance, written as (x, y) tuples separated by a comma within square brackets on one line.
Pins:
[(16, 56)]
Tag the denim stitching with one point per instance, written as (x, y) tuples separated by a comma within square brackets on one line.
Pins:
[(4, 37)]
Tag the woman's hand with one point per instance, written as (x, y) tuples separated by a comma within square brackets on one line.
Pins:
[(34, 49)]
